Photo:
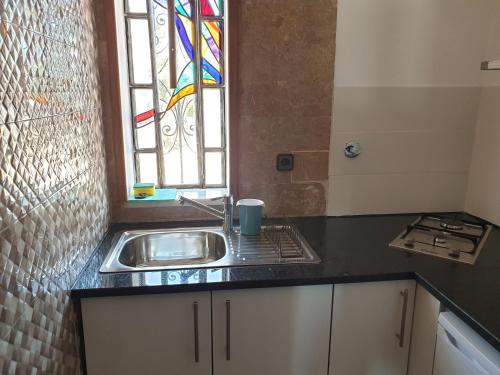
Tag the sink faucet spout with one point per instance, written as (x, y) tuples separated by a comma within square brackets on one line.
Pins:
[(226, 214)]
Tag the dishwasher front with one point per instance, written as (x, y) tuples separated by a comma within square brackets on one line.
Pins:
[(461, 351)]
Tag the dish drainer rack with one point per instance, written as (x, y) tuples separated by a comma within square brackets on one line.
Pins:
[(286, 240)]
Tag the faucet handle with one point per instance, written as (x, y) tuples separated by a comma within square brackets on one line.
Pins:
[(224, 197), (218, 198)]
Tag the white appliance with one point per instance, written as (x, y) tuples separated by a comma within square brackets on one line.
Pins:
[(461, 351)]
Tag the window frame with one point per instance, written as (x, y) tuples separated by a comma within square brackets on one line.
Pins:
[(202, 150)]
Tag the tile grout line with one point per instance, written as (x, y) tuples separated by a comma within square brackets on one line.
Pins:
[(425, 173), (51, 196), (38, 33), (52, 116)]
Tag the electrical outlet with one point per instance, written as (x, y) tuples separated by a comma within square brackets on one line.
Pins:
[(284, 162)]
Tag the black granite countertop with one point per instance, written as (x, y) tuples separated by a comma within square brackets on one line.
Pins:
[(352, 249)]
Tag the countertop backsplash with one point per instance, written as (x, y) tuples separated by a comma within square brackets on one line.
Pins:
[(409, 89), (53, 194)]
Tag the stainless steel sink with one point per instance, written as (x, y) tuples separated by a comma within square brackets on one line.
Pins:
[(171, 249), (162, 249)]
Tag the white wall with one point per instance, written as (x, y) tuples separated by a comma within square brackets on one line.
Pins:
[(483, 193), (407, 87)]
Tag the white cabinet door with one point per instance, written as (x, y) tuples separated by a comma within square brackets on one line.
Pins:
[(149, 334), (371, 327), (272, 331), (424, 331)]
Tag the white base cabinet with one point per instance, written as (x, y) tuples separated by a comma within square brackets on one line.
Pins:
[(371, 328), (268, 331), (272, 331), (424, 331), (148, 334)]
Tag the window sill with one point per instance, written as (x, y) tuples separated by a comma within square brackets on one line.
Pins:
[(202, 195)]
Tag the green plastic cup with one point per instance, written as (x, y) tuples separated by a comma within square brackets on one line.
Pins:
[(250, 213)]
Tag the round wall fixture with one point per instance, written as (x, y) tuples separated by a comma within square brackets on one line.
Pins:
[(352, 149)]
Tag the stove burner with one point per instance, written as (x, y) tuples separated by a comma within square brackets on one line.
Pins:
[(441, 238), (447, 237), (453, 224)]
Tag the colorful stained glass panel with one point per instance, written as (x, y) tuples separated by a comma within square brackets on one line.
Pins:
[(197, 56), (183, 7), (184, 54), (211, 8), (211, 52)]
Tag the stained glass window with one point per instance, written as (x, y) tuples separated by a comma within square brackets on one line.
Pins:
[(177, 84), (210, 8)]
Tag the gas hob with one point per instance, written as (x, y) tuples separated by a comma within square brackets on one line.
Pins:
[(445, 237)]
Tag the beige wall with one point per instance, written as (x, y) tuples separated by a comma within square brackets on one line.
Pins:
[(285, 61), (53, 195), (483, 193), (407, 87)]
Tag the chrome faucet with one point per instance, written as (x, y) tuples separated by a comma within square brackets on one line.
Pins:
[(226, 214)]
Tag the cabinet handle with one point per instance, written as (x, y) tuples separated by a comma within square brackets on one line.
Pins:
[(401, 334), (228, 330), (196, 333)]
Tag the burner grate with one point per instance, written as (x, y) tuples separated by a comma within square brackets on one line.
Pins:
[(448, 237)]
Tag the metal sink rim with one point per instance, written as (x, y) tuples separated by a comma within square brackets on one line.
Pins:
[(231, 258)]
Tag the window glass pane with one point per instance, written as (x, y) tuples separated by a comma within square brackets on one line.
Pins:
[(213, 168), (180, 143), (143, 100), (179, 108), (146, 137), (160, 21), (181, 168), (189, 167), (137, 6), (141, 57), (173, 172), (212, 117), (143, 118), (211, 7), (211, 51), (147, 167)]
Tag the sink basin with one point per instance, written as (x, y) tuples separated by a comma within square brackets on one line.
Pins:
[(167, 249), (163, 249)]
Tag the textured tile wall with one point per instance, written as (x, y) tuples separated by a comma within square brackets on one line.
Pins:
[(53, 195), (286, 65)]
